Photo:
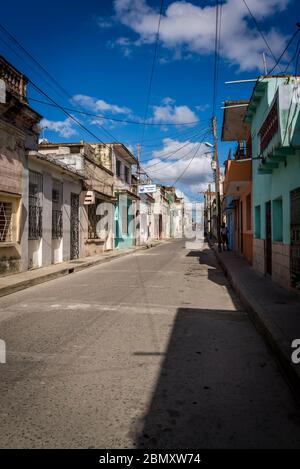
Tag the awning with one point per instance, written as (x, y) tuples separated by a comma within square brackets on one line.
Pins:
[(234, 128)]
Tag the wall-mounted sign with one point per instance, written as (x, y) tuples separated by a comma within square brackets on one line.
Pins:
[(89, 198), (147, 189)]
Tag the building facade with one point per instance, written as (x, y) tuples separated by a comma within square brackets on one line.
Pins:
[(55, 211), (96, 227), (273, 114), (237, 184), (18, 134)]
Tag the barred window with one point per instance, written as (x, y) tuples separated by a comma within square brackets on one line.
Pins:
[(93, 219), (57, 215), (118, 168), (5, 222), (127, 174), (35, 205)]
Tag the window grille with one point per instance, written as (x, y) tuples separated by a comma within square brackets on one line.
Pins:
[(5, 222), (118, 168), (35, 210), (93, 219), (57, 215), (127, 174)]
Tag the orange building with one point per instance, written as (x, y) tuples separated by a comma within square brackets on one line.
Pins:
[(238, 179)]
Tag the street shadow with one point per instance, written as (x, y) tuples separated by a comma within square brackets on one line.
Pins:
[(207, 258), (213, 390)]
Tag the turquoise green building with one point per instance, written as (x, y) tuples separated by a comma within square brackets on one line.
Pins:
[(125, 228), (273, 114)]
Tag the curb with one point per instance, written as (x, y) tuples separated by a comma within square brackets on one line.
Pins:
[(70, 269), (268, 329)]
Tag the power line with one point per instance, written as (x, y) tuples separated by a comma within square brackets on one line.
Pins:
[(187, 166), (19, 45), (294, 55), (172, 163), (216, 54), (109, 118), (28, 54), (261, 32), (152, 70), (168, 155), (190, 137), (284, 51)]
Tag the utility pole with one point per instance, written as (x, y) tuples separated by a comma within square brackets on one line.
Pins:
[(138, 147), (217, 181)]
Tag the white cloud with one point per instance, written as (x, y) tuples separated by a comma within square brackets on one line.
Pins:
[(98, 105), (182, 195), (191, 28), (169, 112), (192, 157), (63, 128)]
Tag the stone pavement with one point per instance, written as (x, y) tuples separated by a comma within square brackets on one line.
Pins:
[(274, 310), (13, 283)]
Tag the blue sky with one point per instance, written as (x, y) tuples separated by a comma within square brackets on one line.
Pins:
[(101, 54)]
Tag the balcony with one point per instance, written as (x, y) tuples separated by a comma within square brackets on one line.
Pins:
[(15, 81), (238, 176), (279, 134)]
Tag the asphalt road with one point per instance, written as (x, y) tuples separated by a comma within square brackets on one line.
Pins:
[(150, 350)]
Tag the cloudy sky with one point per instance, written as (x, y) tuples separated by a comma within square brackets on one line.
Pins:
[(101, 52)]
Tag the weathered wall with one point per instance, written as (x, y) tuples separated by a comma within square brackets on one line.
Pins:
[(12, 157)]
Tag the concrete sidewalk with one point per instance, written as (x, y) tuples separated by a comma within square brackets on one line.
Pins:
[(12, 283), (275, 311)]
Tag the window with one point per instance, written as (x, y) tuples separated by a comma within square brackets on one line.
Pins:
[(118, 168), (93, 220), (277, 219), (35, 205), (127, 174), (5, 222), (248, 212), (57, 215), (257, 222)]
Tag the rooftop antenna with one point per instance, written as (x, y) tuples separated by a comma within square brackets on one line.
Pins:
[(265, 63)]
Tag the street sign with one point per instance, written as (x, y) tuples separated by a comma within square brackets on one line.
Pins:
[(147, 189)]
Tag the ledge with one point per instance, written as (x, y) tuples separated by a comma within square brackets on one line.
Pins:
[(95, 241)]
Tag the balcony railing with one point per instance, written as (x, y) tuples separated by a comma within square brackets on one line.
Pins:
[(269, 127), (14, 80)]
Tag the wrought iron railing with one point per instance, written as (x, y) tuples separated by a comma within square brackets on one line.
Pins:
[(35, 226), (15, 81), (57, 224)]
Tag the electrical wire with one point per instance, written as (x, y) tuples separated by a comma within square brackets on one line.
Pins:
[(293, 57), (152, 71), (190, 137), (261, 32), (114, 119), (216, 54), (168, 155), (19, 45), (172, 163), (188, 165)]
